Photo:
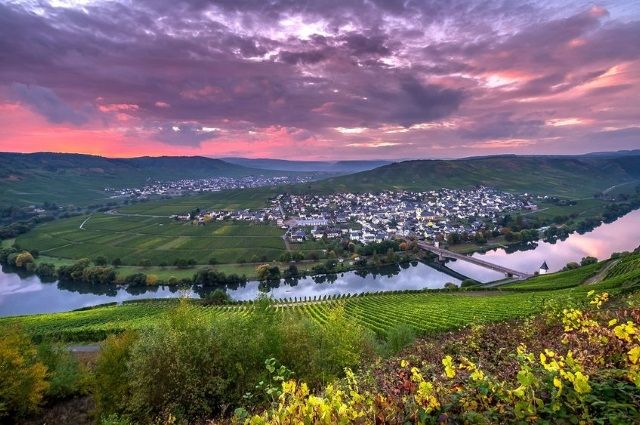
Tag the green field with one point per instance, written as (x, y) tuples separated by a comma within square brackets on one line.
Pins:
[(159, 240), (227, 200), (426, 311), (582, 208)]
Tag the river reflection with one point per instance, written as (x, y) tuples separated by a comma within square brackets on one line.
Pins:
[(621, 235), (24, 294), (21, 294)]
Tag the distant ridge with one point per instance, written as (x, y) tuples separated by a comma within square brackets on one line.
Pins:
[(352, 166), (581, 175), (80, 179)]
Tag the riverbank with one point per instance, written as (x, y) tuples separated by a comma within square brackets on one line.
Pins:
[(425, 311)]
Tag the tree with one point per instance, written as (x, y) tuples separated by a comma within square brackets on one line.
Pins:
[(23, 259), (152, 280), (291, 271), (588, 260), (453, 238), (145, 263), (22, 375), (268, 272), (285, 257), (212, 261), (217, 297), (117, 262), (100, 261)]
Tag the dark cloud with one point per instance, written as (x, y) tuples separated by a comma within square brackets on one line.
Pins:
[(46, 103), (502, 126), (500, 67)]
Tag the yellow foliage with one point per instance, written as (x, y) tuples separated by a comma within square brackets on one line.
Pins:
[(22, 375)]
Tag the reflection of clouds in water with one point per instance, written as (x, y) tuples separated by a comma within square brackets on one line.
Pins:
[(415, 277), (621, 235), (29, 295)]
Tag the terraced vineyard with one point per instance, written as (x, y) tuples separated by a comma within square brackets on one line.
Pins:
[(425, 311)]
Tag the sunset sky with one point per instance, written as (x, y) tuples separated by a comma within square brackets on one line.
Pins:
[(314, 79)]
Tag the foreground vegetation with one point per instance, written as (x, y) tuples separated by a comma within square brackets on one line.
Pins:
[(531, 353)]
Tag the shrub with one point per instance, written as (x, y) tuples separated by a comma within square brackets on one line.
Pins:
[(217, 297), (46, 270), (468, 283), (65, 375), (23, 259), (397, 338), (192, 369), (111, 380), (22, 375)]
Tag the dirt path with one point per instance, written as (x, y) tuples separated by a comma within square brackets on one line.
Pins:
[(83, 223), (598, 277)]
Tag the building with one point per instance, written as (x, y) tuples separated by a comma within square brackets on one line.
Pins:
[(543, 268)]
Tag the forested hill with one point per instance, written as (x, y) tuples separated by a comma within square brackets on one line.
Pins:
[(557, 175), (74, 178)]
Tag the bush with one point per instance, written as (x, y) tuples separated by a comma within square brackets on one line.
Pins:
[(217, 297), (193, 369), (397, 338), (468, 283), (46, 270), (22, 375), (23, 259), (65, 375), (100, 261), (111, 380)]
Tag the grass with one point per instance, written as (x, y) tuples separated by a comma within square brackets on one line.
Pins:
[(582, 208), (159, 240), (426, 312), (227, 200)]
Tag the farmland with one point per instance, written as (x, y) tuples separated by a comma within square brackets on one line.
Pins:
[(426, 312), (157, 240), (228, 199)]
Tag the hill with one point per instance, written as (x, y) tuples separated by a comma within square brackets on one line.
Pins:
[(555, 175), (81, 179), (325, 166)]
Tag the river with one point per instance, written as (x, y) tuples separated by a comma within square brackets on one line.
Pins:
[(21, 294)]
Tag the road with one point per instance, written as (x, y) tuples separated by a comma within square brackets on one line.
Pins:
[(449, 254)]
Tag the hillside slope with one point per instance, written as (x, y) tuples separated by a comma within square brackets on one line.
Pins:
[(81, 179), (325, 166), (569, 176)]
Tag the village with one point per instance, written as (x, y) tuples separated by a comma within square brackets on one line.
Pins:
[(214, 184), (374, 217)]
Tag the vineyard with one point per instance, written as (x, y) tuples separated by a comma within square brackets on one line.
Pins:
[(158, 240), (425, 311)]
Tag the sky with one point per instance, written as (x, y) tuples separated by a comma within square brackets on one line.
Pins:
[(319, 79)]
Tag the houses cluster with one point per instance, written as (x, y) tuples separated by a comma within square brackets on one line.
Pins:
[(374, 217), (214, 184)]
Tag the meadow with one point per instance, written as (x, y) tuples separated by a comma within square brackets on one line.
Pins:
[(154, 240), (228, 200)]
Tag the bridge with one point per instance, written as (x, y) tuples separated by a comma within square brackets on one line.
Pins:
[(443, 253)]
